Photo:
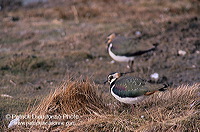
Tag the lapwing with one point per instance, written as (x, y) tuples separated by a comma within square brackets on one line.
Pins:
[(123, 49), (131, 90)]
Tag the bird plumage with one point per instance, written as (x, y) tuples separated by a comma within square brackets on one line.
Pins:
[(123, 49), (134, 87), (131, 90), (124, 46)]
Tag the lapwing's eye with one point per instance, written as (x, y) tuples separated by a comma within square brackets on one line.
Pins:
[(110, 78)]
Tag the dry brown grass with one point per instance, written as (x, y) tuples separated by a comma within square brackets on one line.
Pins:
[(72, 97), (61, 38), (174, 110)]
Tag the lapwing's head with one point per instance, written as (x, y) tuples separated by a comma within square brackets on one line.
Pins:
[(110, 38), (112, 77)]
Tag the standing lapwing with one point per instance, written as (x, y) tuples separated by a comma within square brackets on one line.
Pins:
[(131, 90), (124, 49)]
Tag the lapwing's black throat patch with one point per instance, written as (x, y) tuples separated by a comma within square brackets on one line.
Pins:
[(112, 84)]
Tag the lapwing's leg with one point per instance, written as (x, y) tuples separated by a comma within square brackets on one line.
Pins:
[(131, 65), (133, 108)]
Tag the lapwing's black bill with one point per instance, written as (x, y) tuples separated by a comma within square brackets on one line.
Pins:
[(131, 90), (123, 49)]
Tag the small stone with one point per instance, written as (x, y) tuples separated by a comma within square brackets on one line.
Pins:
[(142, 116), (112, 62), (138, 33), (63, 34), (100, 58), (13, 122), (197, 51), (154, 76), (182, 52)]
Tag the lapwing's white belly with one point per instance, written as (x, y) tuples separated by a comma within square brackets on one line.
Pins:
[(119, 58), (128, 100)]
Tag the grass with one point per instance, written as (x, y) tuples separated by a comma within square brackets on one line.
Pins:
[(67, 39), (23, 63), (14, 106), (174, 110)]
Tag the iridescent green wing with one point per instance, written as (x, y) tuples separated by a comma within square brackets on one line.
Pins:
[(130, 87)]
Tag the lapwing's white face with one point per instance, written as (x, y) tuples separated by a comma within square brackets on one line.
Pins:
[(113, 77)]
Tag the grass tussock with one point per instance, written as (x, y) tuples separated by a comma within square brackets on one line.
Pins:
[(72, 98), (174, 110)]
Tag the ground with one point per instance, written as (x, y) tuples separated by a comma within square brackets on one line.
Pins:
[(45, 44)]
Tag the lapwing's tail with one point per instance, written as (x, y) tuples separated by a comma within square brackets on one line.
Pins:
[(155, 45), (164, 88)]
